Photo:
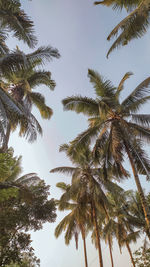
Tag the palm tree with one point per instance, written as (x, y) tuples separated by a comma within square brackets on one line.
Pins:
[(75, 222), (117, 128), (87, 182), (20, 82), (133, 26), (82, 184)]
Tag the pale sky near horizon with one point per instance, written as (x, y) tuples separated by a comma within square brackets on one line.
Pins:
[(79, 30)]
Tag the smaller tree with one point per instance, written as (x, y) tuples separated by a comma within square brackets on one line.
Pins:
[(24, 206)]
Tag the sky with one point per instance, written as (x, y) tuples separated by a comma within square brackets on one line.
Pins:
[(78, 29)]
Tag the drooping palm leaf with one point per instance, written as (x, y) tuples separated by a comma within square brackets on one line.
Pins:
[(39, 101), (41, 77), (135, 25)]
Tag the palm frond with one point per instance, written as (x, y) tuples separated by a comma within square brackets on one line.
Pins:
[(41, 77), (11, 104), (103, 88), (141, 119), (70, 231), (28, 179), (140, 131), (63, 186), (132, 237), (39, 101), (65, 206), (13, 18), (43, 53), (63, 148), (3, 47), (121, 84), (62, 226), (29, 127), (135, 106), (85, 138), (141, 159), (139, 93), (119, 5), (133, 26), (85, 105), (65, 170)]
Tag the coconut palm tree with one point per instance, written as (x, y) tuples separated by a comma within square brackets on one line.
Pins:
[(116, 126), (87, 182), (76, 221), (19, 84), (82, 185), (133, 26)]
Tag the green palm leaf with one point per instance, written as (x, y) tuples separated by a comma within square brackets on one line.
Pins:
[(3, 47), (121, 84), (133, 26), (142, 119), (103, 88), (39, 101), (41, 77), (84, 105), (119, 4), (65, 170), (139, 93)]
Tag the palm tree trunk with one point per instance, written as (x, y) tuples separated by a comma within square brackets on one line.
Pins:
[(110, 250), (129, 250), (109, 241), (97, 237), (140, 190), (85, 252)]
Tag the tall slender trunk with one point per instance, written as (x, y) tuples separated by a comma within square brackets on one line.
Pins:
[(109, 241), (97, 236), (140, 190), (110, 250), (84, 244), (129, 250)]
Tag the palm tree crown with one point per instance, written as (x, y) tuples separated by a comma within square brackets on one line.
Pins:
[(115, 125)]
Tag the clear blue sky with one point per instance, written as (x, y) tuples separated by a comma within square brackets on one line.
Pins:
[(79, 30)]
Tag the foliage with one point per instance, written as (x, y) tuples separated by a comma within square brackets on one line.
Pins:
[(142, 257), (27, 260), (13, 19), (133, 26), (24, 206), (114, 124)]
